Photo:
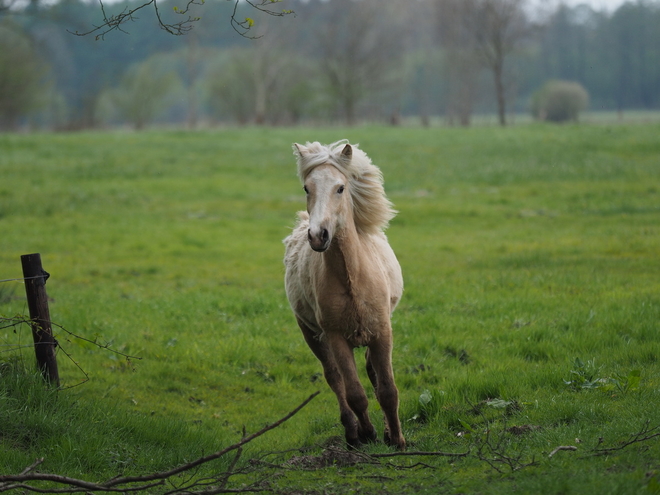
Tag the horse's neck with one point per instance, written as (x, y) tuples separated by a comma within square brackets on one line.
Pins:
[(343, 256)]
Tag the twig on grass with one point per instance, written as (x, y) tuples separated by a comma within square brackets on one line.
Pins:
[(418, 453), (146, 482), (562, 447), (494, 453), (643, 435)]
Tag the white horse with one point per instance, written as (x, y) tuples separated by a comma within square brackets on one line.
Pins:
[(343, 281)]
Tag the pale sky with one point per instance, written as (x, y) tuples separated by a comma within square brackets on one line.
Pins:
[(609, 5)]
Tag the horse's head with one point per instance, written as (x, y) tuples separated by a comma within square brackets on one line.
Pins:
[(328, 199)]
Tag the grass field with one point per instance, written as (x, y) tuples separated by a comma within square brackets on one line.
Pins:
[(530, 318)]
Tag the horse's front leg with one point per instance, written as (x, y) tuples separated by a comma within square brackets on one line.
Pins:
[(354, 432), (355, 395), (379, 368)]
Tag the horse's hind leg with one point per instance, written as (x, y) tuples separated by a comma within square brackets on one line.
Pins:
[(379, 369), (353, 429)]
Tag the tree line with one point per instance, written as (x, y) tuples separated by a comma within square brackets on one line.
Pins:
[(337, 60)]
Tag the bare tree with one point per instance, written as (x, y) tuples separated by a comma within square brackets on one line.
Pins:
[(358, 52), (461, 61), (497, 28)]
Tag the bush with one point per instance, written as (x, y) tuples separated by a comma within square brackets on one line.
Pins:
[(559, 101)]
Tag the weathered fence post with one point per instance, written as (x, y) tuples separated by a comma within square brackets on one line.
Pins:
[(42, 332)]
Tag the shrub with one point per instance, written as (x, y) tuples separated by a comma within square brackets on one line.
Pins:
[(559, 101)]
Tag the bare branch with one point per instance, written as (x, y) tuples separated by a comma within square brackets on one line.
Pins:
[(117, 21), (140, 483), (643, 435), (562, 447), (418, 453), (243, 27)]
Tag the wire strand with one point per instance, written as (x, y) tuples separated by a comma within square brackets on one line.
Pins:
[(21, 279)]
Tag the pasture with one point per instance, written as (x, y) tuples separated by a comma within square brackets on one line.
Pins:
[(529, 320)]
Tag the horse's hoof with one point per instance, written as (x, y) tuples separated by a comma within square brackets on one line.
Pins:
[(399, 443), (370, 437), (353, 443)]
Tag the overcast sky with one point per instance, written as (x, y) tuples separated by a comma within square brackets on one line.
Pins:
[(609, 5)]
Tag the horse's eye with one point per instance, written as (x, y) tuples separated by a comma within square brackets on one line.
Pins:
[(340, 190)]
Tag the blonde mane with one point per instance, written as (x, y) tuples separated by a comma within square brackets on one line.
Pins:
[(372, 211)]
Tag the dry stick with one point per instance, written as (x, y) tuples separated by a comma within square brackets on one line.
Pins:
[(438, 454), (641, 436), (562, 447), (113, 484)]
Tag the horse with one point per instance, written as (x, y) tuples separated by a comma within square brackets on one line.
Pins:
[(343, 281)]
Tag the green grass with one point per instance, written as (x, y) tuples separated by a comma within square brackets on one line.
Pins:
[(523, 249)]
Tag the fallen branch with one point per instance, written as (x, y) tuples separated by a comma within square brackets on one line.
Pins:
[(418, 453), (562, 447), (140, 483), (643, 435)]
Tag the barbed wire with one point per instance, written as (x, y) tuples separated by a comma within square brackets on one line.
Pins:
[(18, 320), (22, 279)]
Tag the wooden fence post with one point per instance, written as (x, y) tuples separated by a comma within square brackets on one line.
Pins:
[(42, 332)]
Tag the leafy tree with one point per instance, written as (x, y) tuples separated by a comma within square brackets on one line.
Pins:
[(634, 54), (231, 86), (141, 93), (21, 73), (260, 84)]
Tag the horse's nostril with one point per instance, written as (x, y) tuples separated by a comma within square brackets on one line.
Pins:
[(324, 235)]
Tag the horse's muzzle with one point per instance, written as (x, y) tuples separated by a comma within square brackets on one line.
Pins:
[(320, 242)]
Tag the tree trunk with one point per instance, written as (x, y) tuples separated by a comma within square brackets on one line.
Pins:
[(498, 74)]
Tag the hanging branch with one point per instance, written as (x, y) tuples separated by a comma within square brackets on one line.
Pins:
[(128, 484), (243, 27), (112, 22)]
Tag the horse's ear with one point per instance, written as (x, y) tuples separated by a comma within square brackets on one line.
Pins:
[(347, 152), (299, 150)]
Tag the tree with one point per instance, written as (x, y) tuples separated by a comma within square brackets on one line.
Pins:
[(6, 5), (21, 74), (142, 91), (461, 61), (359, 46), (634, 54), (261, 83), (497, 28), (231, 86)]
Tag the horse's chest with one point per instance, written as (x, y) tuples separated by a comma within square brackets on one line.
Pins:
[(357, 318)]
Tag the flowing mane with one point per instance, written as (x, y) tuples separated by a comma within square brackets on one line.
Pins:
[(372, 211)]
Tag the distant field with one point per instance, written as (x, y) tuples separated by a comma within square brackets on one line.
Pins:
[(530, 318)]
